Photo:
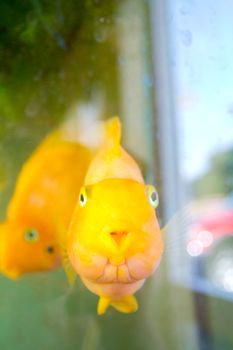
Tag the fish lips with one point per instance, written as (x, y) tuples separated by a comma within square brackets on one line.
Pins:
[(118, 257), (116, 274)]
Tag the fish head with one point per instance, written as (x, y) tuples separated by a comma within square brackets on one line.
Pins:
[(114, 234), (27, 248)]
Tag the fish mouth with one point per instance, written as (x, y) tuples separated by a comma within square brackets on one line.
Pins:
[(117, 240), (123, 255), (119, 237), (116, 272), (116, 269)]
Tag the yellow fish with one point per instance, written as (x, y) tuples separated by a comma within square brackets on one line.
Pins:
[(114, 241), (46, 192)]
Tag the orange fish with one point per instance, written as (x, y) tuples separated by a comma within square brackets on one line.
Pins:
[(46, 192), (114, 241)]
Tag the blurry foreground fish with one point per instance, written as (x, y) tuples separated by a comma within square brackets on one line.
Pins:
[(114, 240), (46, 192)]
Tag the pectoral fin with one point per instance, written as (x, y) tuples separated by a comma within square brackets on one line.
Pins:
[(126, 305), (69, 271), (62, 236)]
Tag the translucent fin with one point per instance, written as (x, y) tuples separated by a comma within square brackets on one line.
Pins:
[(69, 271), (177, 228), (126, 305), (181, 219), (62, 237)]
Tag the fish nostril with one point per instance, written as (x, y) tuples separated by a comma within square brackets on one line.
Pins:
[(50, 249), (118, 236)]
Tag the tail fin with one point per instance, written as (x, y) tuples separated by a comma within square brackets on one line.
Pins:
[(127, 304)]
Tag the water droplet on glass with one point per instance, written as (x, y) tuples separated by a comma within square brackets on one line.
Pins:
[(184, 10), (230, 109), (61, 74), (147, 80), (38, 76), (186, 37), (121, 60), (100, 37), (90, 74), (172, 62), (60, 40), (31, 110)]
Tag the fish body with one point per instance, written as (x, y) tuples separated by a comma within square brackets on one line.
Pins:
[(45, 194), (114, 241)]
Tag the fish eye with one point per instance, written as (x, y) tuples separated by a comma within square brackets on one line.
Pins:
[(50, 249), (31, 235), (153, 196), (83, 197)]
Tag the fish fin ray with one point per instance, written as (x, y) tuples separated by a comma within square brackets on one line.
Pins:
[(103, 305), (68, 269), (70, 273), (62, 238), (127, 304), (113, 132), (177, 227), (181, 218)]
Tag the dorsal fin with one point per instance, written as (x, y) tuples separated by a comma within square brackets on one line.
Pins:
[(113, 132), (112, 161)]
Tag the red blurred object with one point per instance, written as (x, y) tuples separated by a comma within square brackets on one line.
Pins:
[(208, 230), (220, 224)]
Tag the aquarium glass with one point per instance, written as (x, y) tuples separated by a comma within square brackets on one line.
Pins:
[(165, 68)]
